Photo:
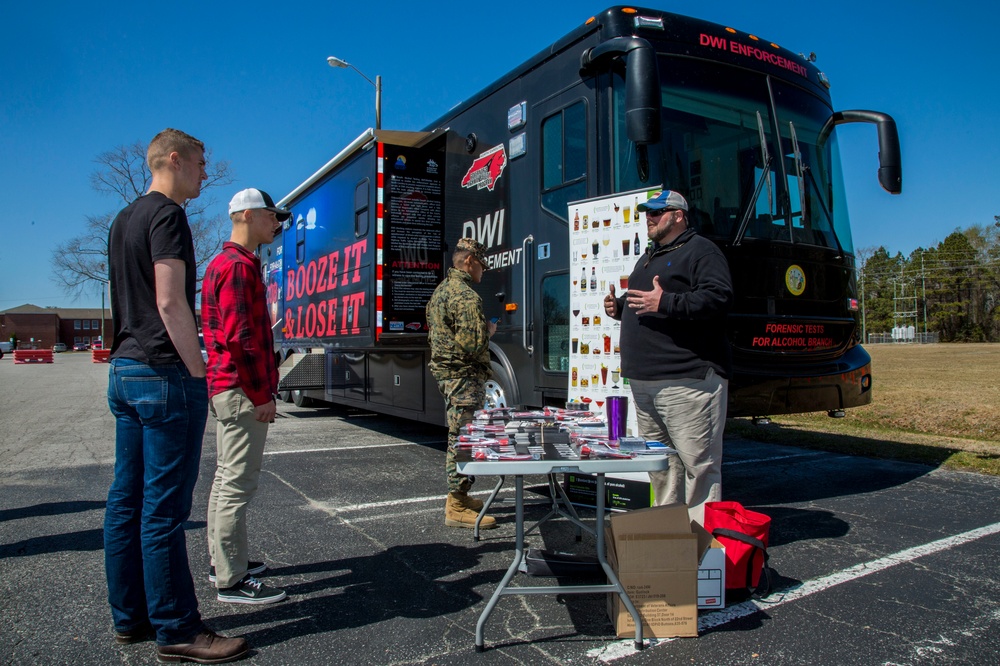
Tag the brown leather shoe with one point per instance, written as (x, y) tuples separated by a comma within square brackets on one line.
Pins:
[(206, 647)]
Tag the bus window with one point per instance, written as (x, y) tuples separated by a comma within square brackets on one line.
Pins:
[(564, 158), (361, 209), (555, 322), (300, 241), (825, 221), (714, 119)]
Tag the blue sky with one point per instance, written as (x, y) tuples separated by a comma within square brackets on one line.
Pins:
[(251, 80)]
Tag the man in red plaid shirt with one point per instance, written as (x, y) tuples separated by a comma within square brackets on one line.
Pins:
[(242, 381)]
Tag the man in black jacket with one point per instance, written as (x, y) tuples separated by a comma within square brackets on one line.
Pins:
[(674, 350)]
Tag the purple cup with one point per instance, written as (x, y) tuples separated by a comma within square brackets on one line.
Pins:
[(617, 411)]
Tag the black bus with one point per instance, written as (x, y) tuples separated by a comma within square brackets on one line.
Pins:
[(633, 99)]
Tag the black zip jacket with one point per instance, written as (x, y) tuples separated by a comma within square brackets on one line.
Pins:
[(687, 335)]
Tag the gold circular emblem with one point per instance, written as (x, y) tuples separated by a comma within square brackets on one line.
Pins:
[(795, 280)]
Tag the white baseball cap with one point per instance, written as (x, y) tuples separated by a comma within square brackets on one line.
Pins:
[(253, 199)]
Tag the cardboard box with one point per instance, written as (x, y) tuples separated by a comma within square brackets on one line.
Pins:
[(655, 553), (711, 569), (624, 491)]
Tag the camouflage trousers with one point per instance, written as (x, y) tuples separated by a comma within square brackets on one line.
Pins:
[(462, 398)]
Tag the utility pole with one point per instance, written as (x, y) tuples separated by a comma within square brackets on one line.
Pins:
[(904, 308), (864, 335), (923, 286)]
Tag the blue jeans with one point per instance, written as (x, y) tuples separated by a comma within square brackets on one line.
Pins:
[(160, 414)]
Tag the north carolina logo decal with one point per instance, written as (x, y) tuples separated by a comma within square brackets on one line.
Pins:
[(486, 169), (795, 280)]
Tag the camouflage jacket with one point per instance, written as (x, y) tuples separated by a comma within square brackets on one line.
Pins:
[(458, 335)]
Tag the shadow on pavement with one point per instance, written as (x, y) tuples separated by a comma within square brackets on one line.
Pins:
[(420, 581), (83, 540), (49, 509), (789, 525)]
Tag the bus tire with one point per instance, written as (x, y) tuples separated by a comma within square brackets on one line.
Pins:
[(302, 400), (284, 396), (498, 387)]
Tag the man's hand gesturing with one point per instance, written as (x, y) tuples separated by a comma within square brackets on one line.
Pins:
[(610, 304)]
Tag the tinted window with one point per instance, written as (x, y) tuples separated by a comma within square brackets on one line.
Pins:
[(564, 158), (555, 331), (361, 209)]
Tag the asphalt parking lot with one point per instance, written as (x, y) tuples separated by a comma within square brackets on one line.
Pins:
[(877, 562)]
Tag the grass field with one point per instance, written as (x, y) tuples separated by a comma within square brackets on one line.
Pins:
[(937, 404)]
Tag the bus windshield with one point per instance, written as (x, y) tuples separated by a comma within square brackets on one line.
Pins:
[(742, 146)]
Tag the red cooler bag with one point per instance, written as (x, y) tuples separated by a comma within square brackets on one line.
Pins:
[(744, 534)]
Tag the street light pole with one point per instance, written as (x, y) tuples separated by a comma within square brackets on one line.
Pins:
[(102, 267), (104, 288), (337, 62)]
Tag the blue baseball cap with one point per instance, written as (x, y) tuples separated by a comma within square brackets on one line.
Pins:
[(664, 199)]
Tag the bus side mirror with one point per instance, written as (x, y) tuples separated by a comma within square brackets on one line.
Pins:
[(890, 165), (642, 84)]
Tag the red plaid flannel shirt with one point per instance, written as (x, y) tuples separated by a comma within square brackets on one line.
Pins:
[(236, 326)]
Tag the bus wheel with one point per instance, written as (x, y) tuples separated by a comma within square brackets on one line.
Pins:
[(285, 396), (497, 388), (301, 400)]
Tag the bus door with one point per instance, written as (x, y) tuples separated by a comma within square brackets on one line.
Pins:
[(564, 126)]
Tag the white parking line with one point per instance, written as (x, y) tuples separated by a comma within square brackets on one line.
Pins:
[(350, 448), (812, 454), (626, 648), (435, 441), (436, 498)]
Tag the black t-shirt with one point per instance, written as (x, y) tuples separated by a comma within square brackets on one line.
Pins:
[(151, 228)]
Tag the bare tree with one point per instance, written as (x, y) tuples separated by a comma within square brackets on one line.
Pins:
[(81, 263)]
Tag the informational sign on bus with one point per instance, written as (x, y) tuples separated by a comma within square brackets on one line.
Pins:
[(757, 52), (411, 263), (790, 336)]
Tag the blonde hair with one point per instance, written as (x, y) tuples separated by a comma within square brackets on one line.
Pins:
[(170, 141)]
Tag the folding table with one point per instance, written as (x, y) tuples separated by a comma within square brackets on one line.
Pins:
[(552, 460)]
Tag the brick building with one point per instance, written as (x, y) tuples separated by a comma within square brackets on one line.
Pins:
[(47, 326), (51, 325)]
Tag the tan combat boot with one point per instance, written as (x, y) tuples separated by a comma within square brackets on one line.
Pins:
[(471, 502), (458, 514)]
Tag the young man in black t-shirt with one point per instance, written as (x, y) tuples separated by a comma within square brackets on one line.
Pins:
[(158, 394)]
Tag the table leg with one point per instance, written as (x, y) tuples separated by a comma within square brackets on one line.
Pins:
[(574, 516), (518, 557), (569, 513), (553, 512), (486, 506), (612, 578)]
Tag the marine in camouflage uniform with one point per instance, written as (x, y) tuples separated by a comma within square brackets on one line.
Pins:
[(460, 362)]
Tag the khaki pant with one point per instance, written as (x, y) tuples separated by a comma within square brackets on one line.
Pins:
[(240, 439), (690, 415)]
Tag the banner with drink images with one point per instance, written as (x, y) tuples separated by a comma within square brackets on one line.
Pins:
[(607, 236)]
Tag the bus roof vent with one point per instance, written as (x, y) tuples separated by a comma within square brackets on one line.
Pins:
[(650, 22)]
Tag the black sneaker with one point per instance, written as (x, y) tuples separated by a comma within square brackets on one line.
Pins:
[(253, 568), (251, 591)]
